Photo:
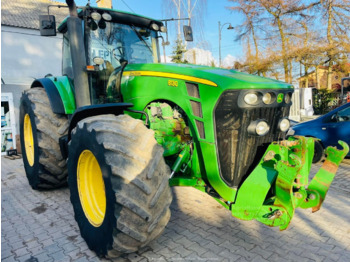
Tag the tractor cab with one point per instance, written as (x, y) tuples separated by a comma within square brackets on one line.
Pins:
[(112, 40)]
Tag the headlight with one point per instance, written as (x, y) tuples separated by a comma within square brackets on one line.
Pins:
[(106, 16), (284, 125), (269, 98), (258, 127), (96, 16), (251, 98), (154, 26), (262, 128), (163, 29), (287, 98)]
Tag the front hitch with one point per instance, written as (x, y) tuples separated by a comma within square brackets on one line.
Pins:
[(279, 183)]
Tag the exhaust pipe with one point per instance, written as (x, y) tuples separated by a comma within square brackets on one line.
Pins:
[(77, 49)]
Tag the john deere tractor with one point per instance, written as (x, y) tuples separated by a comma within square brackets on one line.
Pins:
[(124, 128)]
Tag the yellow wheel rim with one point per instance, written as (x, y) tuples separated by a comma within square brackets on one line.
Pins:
[(28, 139), (91, 188)]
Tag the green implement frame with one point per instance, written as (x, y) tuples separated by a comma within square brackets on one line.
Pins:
[(279, 184)]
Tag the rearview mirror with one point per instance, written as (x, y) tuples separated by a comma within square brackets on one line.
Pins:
[(47, 25), (188, 33)]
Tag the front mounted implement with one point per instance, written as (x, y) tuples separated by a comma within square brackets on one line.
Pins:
[(279, 184)]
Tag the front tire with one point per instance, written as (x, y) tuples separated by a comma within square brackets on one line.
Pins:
[(119, 184), (40, 130)]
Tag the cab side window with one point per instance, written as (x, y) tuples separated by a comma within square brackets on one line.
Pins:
[(67, 67)]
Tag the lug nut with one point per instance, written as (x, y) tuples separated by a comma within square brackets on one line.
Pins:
[(298, 195), (312, 196)]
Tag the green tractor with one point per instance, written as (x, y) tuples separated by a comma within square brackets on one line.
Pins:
[(124, 128)]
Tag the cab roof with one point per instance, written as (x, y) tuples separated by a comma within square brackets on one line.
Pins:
[(117, 16)]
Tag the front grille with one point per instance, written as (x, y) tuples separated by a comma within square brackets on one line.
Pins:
[(238, 151)]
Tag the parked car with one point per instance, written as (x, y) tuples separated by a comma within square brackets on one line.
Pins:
[(329, 128)]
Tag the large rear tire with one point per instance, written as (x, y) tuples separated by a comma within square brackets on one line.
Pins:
[(118, 181), (40, 130)]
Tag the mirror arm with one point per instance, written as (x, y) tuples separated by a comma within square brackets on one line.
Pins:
[(59, 6)]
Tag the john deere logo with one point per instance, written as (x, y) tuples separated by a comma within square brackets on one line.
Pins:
[(280, 98)]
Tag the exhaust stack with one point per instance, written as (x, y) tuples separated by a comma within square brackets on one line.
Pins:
[(77, 48)]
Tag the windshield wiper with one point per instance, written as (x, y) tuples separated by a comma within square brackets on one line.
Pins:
[(141, 38)]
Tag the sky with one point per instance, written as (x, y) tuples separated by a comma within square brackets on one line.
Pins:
[(216, 11)]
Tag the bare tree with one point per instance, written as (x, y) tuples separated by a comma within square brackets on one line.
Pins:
[(275, 22), (281, 12), (336, 15), (248, 29), (193, 9)]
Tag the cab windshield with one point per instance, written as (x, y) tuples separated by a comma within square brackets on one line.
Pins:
[(117, 43)]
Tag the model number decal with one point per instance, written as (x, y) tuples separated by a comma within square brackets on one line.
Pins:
[(173, 83)]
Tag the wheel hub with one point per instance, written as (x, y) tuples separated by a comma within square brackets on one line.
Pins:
[(28, 139), (91, 188)]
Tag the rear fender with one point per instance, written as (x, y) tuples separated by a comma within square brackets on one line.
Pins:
[(60, 92)]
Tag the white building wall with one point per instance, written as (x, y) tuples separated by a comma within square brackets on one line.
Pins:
[(25, 55)]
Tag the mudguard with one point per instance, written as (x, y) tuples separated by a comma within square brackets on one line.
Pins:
[(95, 110), (60, 92), (88, 111)]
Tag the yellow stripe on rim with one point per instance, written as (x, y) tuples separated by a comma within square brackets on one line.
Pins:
[(28, 139), (170, 75), (91, 188)]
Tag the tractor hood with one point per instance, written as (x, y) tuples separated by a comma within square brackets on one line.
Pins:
[(223, 78)]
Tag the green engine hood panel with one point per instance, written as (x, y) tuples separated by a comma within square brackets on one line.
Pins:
[(224, 78)]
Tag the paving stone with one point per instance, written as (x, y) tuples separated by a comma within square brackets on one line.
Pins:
[(171, 244), (182, 251), (153, 256), (25, 258), (134, 257), (75, 254), (197, 249), (343, 259), (58, 256), (17, 245), (42, 236), (262, 252), (9, 259), (43, 257), (21, 252), (174, 236), (232, 256), (312, 256), (5, 253), (68, 248), (210, 256)]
